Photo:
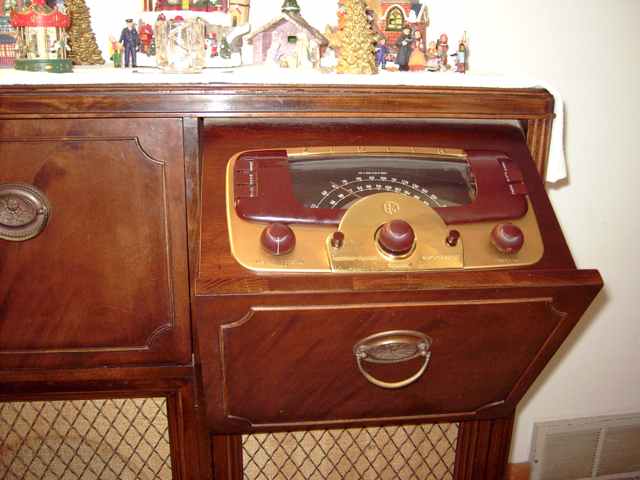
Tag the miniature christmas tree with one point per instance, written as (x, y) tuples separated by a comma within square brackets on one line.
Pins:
[(82, 40), (225, 49), (357, 54)]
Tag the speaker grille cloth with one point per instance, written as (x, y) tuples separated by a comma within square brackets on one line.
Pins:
[(415, 452), (89, 439)]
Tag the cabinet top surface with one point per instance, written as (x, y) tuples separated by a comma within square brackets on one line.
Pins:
[(247, 91), (257, 75)]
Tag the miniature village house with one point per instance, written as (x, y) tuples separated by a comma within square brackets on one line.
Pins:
[(393, 16), (7, 44), (288, 40), (196, 5)]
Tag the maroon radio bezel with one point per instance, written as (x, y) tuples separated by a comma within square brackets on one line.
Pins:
[(263, 191)]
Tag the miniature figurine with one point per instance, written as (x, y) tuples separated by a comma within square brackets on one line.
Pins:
[(443, 48), (131, 42), (160, 32), (115, 52), (145, 32), (418, 59), (392, 16), (404, 44), (462, 55), (381, 53), (433, 60), (213, 44)]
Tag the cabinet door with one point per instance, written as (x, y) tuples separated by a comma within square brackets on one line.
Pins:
[(290, 361), (105, 282)]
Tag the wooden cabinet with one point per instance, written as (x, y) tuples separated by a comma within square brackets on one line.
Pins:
[(135, 251), (105, 283)]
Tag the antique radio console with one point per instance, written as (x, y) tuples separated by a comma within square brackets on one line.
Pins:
[(379, 209), (274, 259)]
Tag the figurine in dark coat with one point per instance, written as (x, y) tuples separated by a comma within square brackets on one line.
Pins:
[(404, 44), (130, 40), (381, 53)]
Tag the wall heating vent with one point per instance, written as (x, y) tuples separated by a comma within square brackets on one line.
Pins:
[(587, 448)]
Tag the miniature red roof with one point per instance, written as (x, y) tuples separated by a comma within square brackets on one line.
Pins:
[(40, 15)]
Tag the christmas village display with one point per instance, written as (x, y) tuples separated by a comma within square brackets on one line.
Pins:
[(41, 38), (187, 36)]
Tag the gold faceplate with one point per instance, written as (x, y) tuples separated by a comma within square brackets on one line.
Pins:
[(359, 254)]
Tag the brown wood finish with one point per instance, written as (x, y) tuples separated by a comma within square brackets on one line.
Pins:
[(490, 343), (153, 178), (106, 282), (227, 457), (518, 471), (242, 101), (483, 449)]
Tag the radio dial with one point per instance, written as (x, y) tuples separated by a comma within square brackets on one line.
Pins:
[(396, 237), (278, 239), (507, 238)]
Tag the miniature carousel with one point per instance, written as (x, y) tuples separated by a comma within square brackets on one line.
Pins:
[(41, 42)]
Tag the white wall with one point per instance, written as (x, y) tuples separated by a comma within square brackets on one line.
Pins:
[(589, 51)]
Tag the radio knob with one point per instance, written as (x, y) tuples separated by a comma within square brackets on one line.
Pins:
[(507, 238), (396, 237), (278, 239)]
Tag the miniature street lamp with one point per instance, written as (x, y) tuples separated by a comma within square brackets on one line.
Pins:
[(42, 43)]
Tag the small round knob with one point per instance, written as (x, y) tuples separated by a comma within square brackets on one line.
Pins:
[(278, 239), (337, 239), (396, 237), (507, 238)]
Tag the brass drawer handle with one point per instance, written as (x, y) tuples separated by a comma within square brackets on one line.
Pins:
[(393, 347), (24, 211)]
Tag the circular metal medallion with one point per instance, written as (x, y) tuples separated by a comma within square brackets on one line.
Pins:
[(24, 211)]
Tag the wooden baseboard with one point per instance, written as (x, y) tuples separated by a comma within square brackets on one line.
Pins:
[(518, 471)]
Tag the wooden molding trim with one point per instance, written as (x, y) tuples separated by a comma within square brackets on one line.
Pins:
[(518, 471)]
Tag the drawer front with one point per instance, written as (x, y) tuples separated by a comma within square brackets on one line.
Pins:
[(287, 364), (105, 282)]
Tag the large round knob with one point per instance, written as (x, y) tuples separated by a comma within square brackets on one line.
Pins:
[(396, 237), (507, 238), (278, 239)]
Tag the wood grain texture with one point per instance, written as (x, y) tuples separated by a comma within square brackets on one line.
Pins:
[(483, 448), (518, 471), (211, 100), (304, 346), (106, 280), (291, 346)]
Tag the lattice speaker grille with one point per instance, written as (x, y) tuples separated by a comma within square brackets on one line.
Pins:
[(416, 452), (93, 439)]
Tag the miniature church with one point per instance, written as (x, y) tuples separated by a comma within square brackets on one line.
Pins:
[(288, 40)]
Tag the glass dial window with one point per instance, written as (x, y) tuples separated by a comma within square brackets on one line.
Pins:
[(337, 181)]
